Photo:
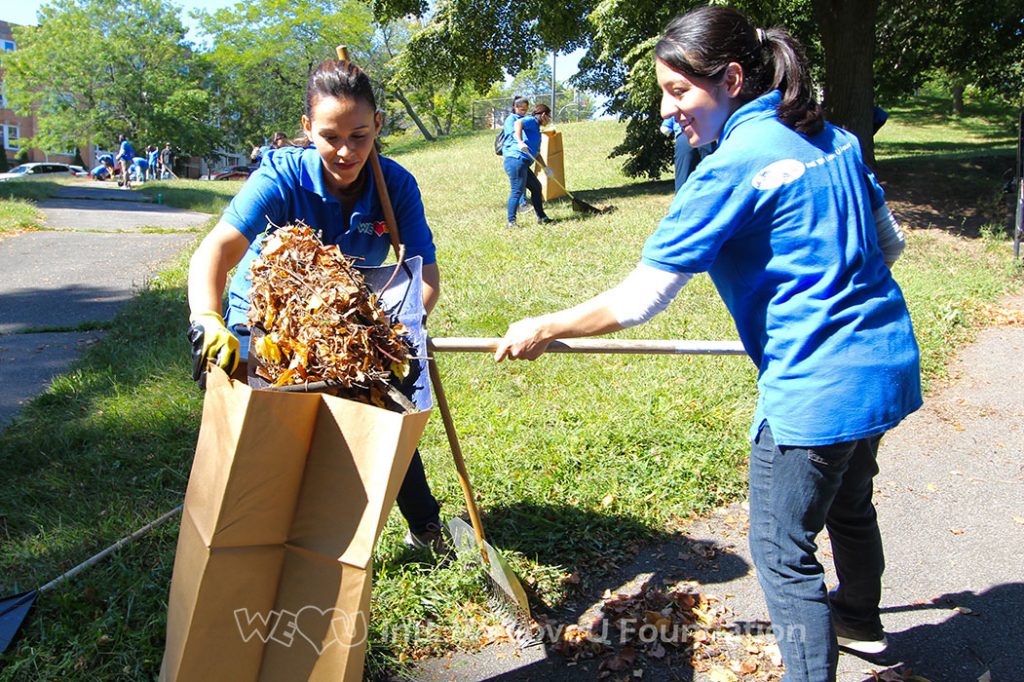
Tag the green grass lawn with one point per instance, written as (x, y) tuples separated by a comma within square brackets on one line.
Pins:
[(575, 459), (17, 204)]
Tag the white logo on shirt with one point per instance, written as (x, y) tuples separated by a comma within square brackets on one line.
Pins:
[(777, 174)]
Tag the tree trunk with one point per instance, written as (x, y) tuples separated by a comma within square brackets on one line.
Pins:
[(958, 97), (848, 38), (412, 114), (456, 91)]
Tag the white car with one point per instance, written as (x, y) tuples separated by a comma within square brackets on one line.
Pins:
[(37, 169)]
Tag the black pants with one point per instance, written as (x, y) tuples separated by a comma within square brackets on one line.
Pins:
[(415, 501)]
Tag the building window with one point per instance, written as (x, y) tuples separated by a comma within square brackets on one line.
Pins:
[(12, 136), (8, 45)]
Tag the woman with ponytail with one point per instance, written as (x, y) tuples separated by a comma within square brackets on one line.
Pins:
[(794, 231), (326, 183)]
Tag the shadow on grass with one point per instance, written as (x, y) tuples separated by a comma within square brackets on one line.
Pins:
[(106, 449), (981, 118), (956, 193), (605, 196), (612, 556)]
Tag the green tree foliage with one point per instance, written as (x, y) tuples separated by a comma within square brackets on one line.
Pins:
[(96, 68), (620, 65), (263, 51), (966, 43), (476, 41)]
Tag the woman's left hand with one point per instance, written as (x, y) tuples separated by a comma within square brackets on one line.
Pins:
[(524, 340)]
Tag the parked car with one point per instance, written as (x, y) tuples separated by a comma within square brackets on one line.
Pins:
[(231, 173), (37, 168), (78, 171)]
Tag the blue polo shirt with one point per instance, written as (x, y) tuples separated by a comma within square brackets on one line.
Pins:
[(783, 224), (289, 186)]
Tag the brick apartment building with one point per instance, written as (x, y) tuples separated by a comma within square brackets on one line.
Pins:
[(14, 128)]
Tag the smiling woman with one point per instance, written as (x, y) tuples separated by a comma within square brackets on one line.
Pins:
[(330, 188)]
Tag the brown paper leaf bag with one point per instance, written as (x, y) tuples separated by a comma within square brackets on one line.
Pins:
[(287, 497)]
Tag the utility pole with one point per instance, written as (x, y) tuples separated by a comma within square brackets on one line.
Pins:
[(554, 60)]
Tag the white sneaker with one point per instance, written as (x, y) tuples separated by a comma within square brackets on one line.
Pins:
[(867, 647)]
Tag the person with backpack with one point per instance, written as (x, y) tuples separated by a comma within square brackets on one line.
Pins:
[(793, 229), (521, 145)]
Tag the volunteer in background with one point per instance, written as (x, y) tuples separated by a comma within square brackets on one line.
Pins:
[(153, 161), (279, 140), (139, 168), (686, 157), (166, 161), (794, 230), (330, 187), (125, 154), (522, 139), (104, 169)]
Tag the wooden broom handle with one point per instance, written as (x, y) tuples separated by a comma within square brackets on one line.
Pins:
[(378, 181)]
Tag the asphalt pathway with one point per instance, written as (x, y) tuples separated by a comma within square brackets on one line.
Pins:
[(100, 245), (950, 500)]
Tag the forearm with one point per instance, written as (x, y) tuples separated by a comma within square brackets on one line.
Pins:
[(590, 318), (219, 251), (431, 286)]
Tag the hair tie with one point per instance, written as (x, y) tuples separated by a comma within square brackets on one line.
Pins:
[(760, 36)]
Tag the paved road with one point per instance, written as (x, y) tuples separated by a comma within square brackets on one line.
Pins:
[(950, 499), (101, 245)]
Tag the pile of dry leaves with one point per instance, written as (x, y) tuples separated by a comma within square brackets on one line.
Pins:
[(651, 624), (321, 321)]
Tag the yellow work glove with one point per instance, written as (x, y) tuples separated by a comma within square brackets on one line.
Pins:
[(211, 341)]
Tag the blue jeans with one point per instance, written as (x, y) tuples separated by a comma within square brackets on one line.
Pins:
[(794, 493), (521, 178)]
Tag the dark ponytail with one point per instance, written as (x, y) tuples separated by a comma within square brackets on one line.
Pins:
[(702, 43)]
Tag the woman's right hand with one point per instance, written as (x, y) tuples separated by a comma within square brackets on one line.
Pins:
[(524, 340)]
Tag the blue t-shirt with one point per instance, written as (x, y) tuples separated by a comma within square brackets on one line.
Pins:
[(140, 162), (126, 151), (153, 157), (99, 171), (105, 158), (784, 225), (289, 186), (531, 135)]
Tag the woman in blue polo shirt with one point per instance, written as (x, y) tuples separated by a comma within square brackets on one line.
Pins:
[(522, 140), (329, 187), (794, 231)]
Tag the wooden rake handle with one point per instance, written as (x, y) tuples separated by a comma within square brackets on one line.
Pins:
[(466, 344), (435, 375)]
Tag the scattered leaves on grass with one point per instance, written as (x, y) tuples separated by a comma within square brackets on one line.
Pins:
[(321, 321)]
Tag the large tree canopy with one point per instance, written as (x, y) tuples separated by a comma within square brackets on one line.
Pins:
[(263, 51), (96, 68)]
